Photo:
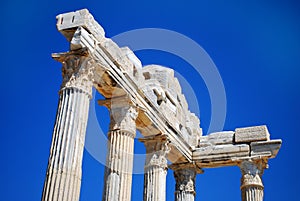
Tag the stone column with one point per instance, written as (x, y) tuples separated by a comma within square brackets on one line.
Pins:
[(185, 175), (63, 178), (119, 162), (252, 188), (156, 167)]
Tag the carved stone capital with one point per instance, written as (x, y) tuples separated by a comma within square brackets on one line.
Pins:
[(185, 175), (123, 114), (252, 172), (77, 70), (157, 148), (123, 119)]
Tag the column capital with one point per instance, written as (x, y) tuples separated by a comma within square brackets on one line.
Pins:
[(156, 166), (157, 148), (185, 175), (77, 70), (123, 113), (252, 171)]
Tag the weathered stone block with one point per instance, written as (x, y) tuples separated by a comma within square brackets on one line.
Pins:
[(67, 22), (182, 101), (118, 57), (221, 158), (193, 125), (225, 137), (162, 74), (132, 57), (221, 149), (149, 94), (251, 134), (265, 148)]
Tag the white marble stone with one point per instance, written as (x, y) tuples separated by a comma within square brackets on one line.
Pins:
[(156, 166), (265, 148), (251, 181), (185, 177), (251, 134), (220, 149), (63, 179), (159, 110), (218, 138), (119, 162), (82, 18)]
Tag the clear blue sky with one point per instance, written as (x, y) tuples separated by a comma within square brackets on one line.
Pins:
[(254, 44)]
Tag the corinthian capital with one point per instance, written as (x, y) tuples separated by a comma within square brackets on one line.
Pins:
[(185, 175), (157, 148), (252, 172), (123, 113), (77, 70)]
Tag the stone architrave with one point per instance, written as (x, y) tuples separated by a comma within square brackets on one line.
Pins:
[(252, 188), (156, 167), (119, 162), (63, 178), (185, 176)]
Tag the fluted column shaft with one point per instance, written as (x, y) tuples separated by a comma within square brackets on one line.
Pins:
[(155, 170), (185, 175), (63, 178), (252, 188), (119, 162)]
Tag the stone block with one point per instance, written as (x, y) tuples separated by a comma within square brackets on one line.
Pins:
[(251, 134), (221, 149), (193, 125), (224, 137), (182, 101), (223, 158), (159, 73), (132, 57), (265, 148), (67, 23), (117, 56), (150, 95)]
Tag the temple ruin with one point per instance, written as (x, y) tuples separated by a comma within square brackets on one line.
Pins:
[(144, 98)]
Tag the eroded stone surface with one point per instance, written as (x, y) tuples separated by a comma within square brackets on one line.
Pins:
[(185, 176), (251, 134), (164, 92), (63, 179), (265, 148), (217, 138), (219, 151), (156, 166), (251, 181), (67, 22)]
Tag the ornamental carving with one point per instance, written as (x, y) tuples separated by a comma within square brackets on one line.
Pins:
[(77, 70), (251, 173), (157, 149), (123, 118), (185, 180), (251, 180), (158, 160)]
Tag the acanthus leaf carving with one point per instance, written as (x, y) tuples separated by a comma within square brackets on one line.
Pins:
[(251, 173), (77, 70)]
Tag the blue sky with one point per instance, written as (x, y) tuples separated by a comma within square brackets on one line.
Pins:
[(254, 44)]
